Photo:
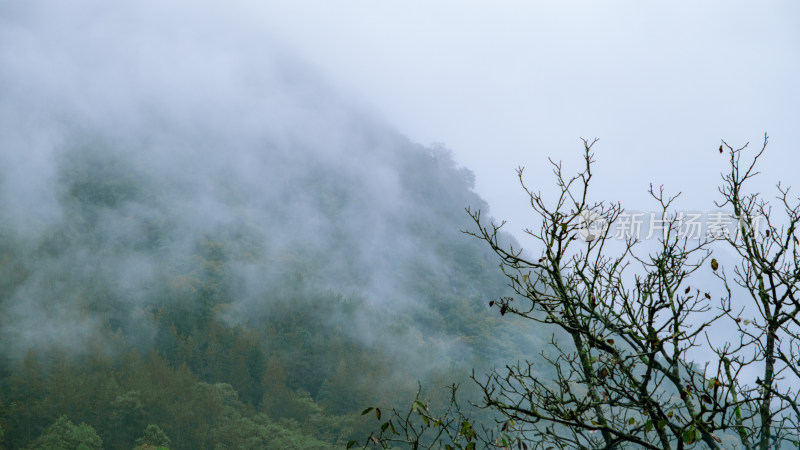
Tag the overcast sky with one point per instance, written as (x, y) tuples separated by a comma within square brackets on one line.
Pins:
[(508, 83), (501, 83)]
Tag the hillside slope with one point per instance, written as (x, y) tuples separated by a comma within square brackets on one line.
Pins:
[(245, 274)]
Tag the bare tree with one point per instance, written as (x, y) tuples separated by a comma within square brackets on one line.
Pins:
[(628, 326), (769, 272)]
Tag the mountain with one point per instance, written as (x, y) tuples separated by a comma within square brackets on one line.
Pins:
[(246, 265)]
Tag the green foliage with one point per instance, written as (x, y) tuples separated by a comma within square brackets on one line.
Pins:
[(153, 436), (157, 329), (64, 435)]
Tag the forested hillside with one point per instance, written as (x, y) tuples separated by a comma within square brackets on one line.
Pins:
[(251, 282)]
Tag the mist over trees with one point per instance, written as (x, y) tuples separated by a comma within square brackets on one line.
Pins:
[(238, 296), (206, 245), (244, 274)]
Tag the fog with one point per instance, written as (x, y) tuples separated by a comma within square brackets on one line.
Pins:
[(243, 162), (200, 125), (511, 83)]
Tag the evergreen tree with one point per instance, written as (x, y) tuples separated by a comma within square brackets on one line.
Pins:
[(64, 435)]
